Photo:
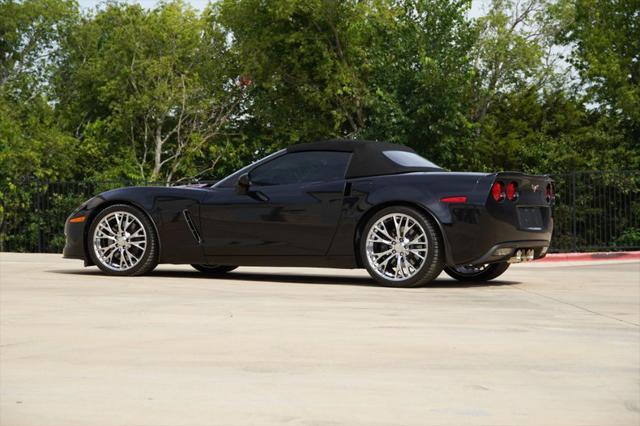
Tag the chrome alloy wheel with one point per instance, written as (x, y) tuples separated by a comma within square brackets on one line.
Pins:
[(396, 246), (119, 241)]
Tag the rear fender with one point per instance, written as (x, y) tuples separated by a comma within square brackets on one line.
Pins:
[(421, 199)]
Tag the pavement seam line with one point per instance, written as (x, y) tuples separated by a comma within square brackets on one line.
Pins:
[(578, 307)]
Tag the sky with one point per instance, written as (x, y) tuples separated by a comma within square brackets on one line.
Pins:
[(477, 6)]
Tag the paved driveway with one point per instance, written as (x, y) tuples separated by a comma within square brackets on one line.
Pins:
[(544, 345)]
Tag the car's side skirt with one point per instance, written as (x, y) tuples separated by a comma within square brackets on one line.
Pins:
[(346, 262)]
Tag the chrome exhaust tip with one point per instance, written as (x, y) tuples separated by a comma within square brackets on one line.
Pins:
[(529, 255), (516, 258), (522, 255)]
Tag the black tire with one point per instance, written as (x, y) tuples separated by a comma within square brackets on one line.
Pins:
[(214, 269), (431, 266), (149, 258), (490, 271)]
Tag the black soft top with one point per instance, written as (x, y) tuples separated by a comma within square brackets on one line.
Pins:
[(368, 156)]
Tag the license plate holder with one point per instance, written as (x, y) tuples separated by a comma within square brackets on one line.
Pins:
[(530, 218)]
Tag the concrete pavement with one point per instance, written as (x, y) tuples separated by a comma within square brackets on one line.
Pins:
[(552, 345)]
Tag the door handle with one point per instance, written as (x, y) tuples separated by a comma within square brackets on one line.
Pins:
[(259, 195)]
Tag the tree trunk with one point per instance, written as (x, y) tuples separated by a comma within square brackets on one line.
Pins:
[(157, 158)]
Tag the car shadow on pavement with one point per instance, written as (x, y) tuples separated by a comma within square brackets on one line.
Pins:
[(291, 278)]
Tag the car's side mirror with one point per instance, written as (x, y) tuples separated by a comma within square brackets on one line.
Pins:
[(243, 184)]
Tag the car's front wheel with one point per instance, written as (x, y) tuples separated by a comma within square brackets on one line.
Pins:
[(401, 247), (478, 273), (214, 269), (122, 241)]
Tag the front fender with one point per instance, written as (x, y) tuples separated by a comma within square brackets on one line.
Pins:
[(165, 207)]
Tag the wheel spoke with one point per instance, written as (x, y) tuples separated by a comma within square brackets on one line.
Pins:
[(417, 254), (104, 228), (106, 237), (141, 245), (107, 248), (387, 256), (132, 259), (117, 219), (404, 268), (384, 253), (396, 224), (417, 241), (382, 229), (407, 228), (376, 238), (111, 253), (384, 263), (138, 233)]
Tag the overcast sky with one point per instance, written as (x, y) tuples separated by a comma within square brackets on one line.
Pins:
[(477, 6)]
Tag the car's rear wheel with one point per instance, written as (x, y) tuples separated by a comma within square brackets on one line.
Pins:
[(401, 247), (478, 273), (214, 269), (122, 241)]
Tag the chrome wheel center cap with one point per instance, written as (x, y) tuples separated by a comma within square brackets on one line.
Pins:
[(398, 247)]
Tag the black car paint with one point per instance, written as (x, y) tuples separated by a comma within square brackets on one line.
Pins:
[(318, 224)]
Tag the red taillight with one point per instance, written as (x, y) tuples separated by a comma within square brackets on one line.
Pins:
[(550, 193), (461, 200), (497, 191), (512, 191)]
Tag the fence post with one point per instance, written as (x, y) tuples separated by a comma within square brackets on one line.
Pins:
[(574, 230), (39, 210), (2, 222)]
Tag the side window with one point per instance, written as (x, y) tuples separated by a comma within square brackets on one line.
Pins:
[(300, 167)]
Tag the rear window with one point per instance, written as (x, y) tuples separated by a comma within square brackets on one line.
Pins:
[(408, 159)]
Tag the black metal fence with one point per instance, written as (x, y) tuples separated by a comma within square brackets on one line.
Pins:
[(594, 211), (597, 211)]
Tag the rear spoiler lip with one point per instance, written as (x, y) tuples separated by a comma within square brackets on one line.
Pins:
[(521, 174)]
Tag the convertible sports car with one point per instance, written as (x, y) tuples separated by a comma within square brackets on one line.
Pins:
[(340, 203)]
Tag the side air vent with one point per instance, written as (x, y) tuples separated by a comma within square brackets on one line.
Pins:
[(191, 225)]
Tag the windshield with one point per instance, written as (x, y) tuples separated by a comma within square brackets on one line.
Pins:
[(409, 159)]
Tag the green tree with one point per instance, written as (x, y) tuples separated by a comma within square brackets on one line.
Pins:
[(30, 31), (549, 132), (605, 40), (378, 69), (151, 88), (510, 52), (308, 62), (423, 74), (31, 144)]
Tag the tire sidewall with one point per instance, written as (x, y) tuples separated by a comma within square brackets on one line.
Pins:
[(430, 268), (149, 258)]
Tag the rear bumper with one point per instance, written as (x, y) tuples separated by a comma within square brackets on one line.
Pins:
[(502, 252), (476, 232)]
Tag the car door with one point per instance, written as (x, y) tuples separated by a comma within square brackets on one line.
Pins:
[(292, 208)]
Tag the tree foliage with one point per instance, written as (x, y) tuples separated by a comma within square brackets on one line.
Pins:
[(168, 93), (154, 86)]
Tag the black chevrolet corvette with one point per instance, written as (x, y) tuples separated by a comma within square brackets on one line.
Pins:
[(341, 204)]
